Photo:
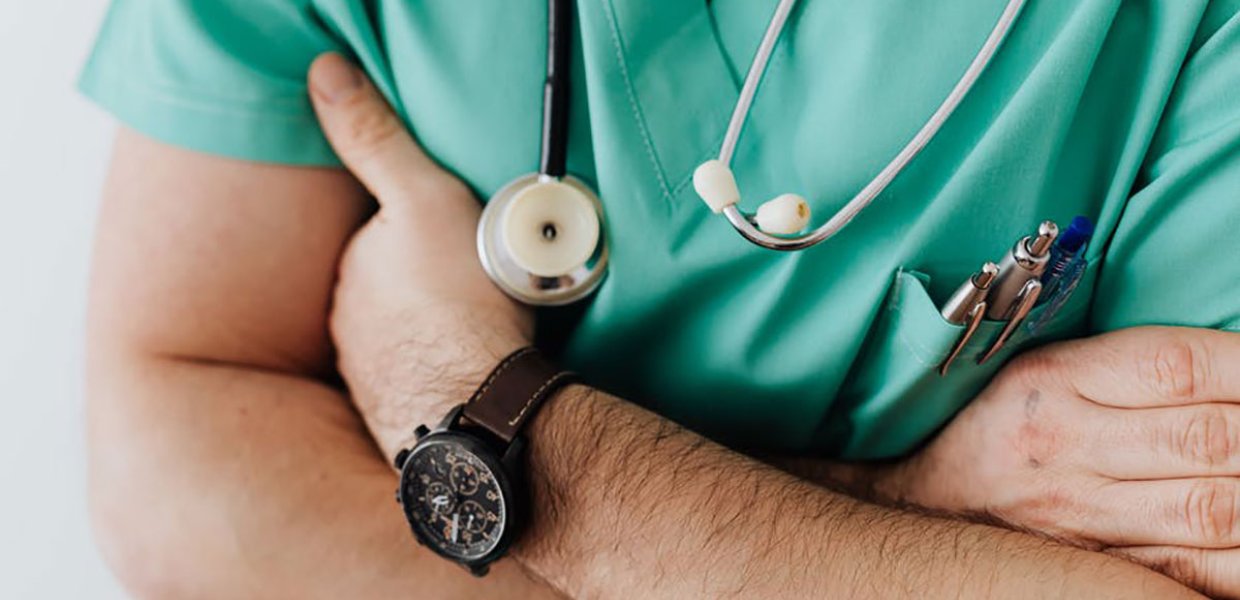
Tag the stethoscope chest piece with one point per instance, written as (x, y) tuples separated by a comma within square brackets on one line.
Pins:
[(541, 240)]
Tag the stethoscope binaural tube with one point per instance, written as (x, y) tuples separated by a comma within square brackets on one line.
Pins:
[(541, 238), (778, 223)]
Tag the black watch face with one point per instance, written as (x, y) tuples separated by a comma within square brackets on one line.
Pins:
[(453, 499)]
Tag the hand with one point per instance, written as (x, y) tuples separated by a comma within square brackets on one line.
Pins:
[(1128, 442), (416, 322)]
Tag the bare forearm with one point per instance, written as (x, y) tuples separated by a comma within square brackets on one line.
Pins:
[(220, 466), (221, 481), (632, 505)]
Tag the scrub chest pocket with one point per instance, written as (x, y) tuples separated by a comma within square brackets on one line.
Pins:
[(896, 389)]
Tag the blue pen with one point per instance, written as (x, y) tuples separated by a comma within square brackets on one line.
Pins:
[(1067, 266), (1067, 247)]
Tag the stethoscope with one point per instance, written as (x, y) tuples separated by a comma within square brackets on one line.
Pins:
[(541, 237)]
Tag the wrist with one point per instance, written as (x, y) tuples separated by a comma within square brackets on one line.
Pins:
[(422, 379), (464, 480), (450, 373)]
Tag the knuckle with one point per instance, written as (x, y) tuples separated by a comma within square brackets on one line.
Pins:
[(1174, 367), (1209, 511), (1208, 438)]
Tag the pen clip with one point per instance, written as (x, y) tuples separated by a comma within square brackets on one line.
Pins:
[(975, 320), (1025, 302)]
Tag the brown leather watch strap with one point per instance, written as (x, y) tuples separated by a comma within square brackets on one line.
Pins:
[(513, 392)]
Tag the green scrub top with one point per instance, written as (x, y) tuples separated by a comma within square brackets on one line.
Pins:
[(1126, 111)]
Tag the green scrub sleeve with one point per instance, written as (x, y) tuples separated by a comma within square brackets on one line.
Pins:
[(225, 77), (1175, 256)]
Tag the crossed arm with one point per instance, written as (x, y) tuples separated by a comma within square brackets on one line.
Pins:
[(657, 511), (226, 462)]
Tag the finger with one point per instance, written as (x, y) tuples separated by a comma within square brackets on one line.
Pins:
[(1215, 573), (1200, 513), (1148, 366), (1165, 443), (368, 136)]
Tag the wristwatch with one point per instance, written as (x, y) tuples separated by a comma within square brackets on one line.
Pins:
[(463, 485)]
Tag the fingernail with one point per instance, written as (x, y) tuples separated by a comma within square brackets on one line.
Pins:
[(335, 78)]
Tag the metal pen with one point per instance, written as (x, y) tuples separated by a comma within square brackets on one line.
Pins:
[(1026, 261), (967, 307), (974, 291), (1025, 301)]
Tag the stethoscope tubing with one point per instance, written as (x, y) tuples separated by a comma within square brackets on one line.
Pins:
[(514, 271), (744, 223), (557, 90)]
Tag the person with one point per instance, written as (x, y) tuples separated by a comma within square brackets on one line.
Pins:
[(232, 264)]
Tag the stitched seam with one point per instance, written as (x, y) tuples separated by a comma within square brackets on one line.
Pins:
[(535, 396), (631, 94), (713, 152), (503, 366), (171, 97)]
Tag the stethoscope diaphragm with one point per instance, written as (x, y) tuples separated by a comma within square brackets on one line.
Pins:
[(541, 240)]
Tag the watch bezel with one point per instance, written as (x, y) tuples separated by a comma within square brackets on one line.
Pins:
[(511, 486)]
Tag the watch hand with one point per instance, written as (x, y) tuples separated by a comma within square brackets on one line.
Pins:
[(455, 527)]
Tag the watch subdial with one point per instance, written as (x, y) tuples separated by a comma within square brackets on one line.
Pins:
[(465, 479), (473, 517), (440, 499)]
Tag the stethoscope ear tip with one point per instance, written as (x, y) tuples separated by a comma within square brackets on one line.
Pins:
[(787, 214), (715, 184)]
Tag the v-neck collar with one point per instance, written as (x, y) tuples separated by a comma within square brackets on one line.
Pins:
[(680, 85)]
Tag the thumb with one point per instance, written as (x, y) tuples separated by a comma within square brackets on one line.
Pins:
[(368, 136)]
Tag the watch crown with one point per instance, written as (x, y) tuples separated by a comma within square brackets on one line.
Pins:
[(421, 431), (401, 457)]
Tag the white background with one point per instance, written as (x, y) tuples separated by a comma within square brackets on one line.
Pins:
[(53, 150)]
